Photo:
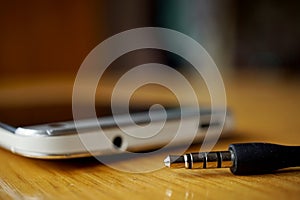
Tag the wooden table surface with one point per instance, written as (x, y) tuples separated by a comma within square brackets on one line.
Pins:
[(266, 109)]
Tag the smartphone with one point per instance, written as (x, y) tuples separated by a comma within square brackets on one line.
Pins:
[(49, 135)]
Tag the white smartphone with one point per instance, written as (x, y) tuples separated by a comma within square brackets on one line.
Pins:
[(58, 139)]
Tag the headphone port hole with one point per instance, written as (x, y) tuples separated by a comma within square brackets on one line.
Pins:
[(117, 141)]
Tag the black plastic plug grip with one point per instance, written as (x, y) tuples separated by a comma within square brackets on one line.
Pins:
[(259, 158)]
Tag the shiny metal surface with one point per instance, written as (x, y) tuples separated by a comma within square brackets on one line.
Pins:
[(69, 128), (174, 161), (227, 158), (202, 160), (198, 160), (212, 160)]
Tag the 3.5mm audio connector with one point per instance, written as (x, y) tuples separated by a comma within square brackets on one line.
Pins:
[(242, 159)]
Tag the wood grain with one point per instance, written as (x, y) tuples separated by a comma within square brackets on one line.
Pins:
[(265, 110)]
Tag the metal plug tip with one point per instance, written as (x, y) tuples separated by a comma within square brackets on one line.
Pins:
[(167, 161), (173, 161)]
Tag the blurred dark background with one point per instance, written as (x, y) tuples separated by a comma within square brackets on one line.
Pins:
[(267, 35), (53, 37)]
